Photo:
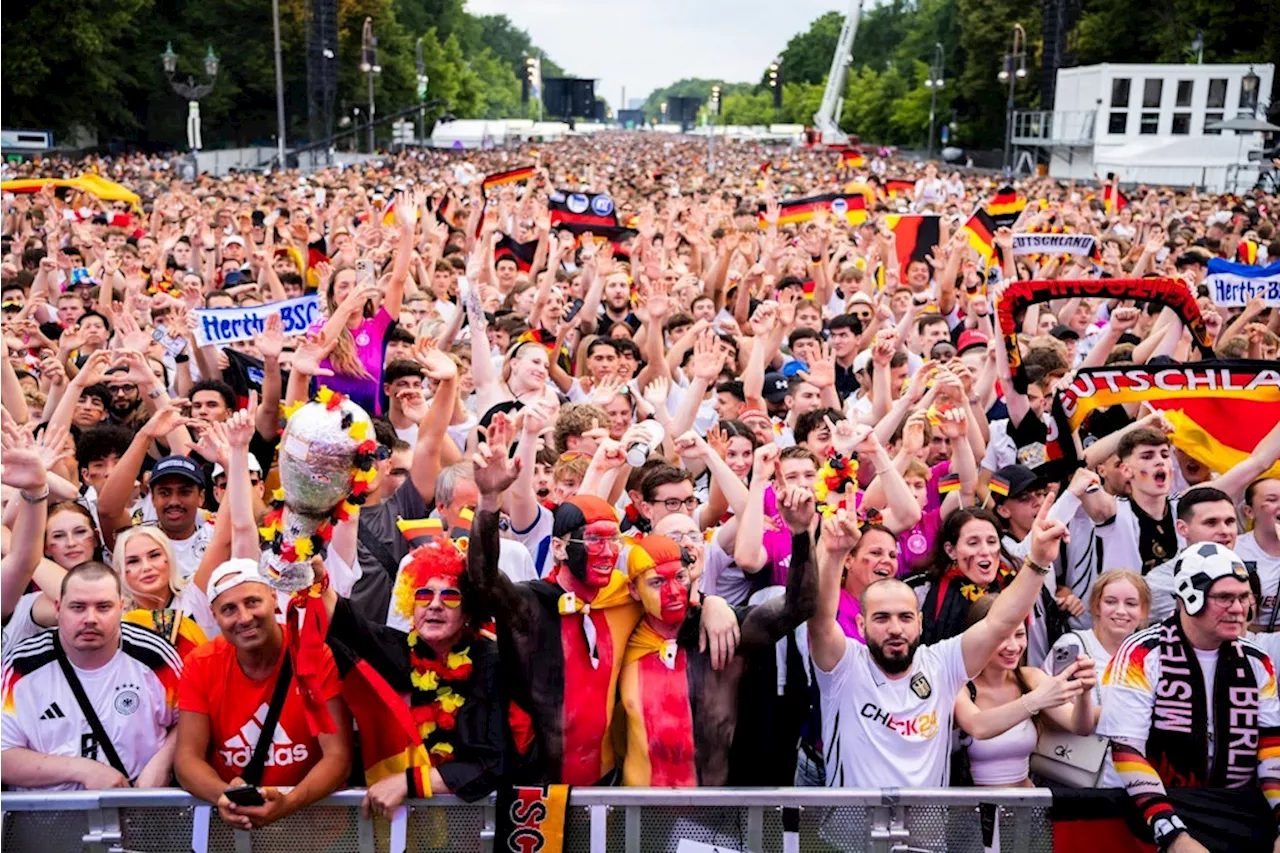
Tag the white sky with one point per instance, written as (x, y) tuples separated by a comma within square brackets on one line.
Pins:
[(646, 44)]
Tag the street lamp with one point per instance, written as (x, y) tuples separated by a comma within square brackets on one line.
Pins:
[(1013, 70), (1249, 94), (369, 66), (663, 108), (193, 92), (775, 81), (934, 83), (533, 73)]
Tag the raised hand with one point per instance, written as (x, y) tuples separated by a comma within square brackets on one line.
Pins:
[(435, 364), (239, 428), (313, 350), (797, 507), (271, 341), (822, 370), (495, 471), (657, 391), (764, 463), (168, 417), (840, 533), (213, 443), (1046, 535), (707, 359), (22, 465)]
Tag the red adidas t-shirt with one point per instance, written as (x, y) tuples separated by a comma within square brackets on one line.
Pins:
[(214, 685)]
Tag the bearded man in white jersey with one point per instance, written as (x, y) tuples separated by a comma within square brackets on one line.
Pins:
[(887, 706)]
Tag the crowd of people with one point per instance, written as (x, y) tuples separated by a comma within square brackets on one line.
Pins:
[(714, 496)]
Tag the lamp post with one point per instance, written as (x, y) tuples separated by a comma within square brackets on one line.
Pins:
[(369, 65), (775, 82), (275, 26), (423, 79), (934, 83), (533, 73), (711, 129), (1014, 69), (193, 92), (663, 107)]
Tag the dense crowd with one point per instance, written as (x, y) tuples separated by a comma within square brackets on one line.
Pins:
[(715, 495)]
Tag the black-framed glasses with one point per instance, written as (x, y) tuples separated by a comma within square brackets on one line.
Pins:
[(121, 390), (677, 504)]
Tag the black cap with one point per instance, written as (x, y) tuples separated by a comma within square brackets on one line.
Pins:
[(776, 387), (1020, 479), (179, 466), (1064, 333)]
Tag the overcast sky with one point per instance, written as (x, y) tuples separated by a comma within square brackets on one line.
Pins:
[(646, 44)]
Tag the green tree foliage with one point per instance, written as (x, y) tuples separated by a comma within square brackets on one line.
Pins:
[(691, 87), (95, 65)]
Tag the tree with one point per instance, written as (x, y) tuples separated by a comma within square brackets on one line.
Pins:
[(747, 107), (807, 57), (986, 28)]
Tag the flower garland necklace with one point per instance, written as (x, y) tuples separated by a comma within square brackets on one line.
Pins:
[(303, 548), (438, 692), (834, 477)]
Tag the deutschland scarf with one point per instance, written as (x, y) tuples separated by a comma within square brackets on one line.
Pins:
[(1178, 744), (946, 606)]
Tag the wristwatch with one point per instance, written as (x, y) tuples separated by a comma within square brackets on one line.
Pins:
[(1166, 829)]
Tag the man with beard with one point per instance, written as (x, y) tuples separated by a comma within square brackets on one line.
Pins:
[(887, 706), (126, 400), (680, 715), (562, 638), (1190, 703)]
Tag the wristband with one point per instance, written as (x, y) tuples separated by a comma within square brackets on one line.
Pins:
[(1038, 569), (36, 498), (181, 358), (1031, 712), (1166, 829), (419, 782), (154, 393)]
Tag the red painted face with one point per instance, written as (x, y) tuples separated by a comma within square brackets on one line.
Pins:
[(664, 591), (602, 544)]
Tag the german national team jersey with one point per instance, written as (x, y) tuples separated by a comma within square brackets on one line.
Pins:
[(890, 733), (214, 685), (135, 696)]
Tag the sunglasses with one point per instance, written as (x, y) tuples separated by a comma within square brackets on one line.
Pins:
[(862, 315), (449, 597)]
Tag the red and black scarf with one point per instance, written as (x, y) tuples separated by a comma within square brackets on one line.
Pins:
[(1178, 744)]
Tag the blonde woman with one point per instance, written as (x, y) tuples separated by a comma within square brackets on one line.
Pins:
[(156, 596)]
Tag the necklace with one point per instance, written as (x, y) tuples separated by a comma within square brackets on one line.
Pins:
[(439, 690)]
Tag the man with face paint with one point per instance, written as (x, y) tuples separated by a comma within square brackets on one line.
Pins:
[(561, 639), (680, 714)]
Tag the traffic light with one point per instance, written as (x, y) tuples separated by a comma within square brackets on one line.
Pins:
[(775, 82)]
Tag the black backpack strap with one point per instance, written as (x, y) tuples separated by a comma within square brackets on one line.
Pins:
[(252, 774), (90, 715), (367, 537)]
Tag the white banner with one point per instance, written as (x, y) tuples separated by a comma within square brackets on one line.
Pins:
[(1233, 285), (1032, 243), (217, 326)]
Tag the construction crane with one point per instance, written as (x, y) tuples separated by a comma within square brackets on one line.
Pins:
[(826, 121)]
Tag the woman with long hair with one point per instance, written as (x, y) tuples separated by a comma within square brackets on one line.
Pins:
[(1000, 709), (357, 329), (157, 597), (967, 561), (70, 536), (521, 382)]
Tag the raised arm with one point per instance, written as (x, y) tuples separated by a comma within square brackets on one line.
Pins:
[(406, 220), (770, 622), (1244, 472), (522, 500), (24, 470), (748, 548), (113, 498), (236, 432), (266, 417), (981, 640), (827, 641), (439, 368), (495, 471)]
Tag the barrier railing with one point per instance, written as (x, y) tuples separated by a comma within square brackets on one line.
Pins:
[(599, 820)]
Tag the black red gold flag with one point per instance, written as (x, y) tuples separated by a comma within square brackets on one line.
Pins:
[(510, 176), (852, 206), (917, 236)]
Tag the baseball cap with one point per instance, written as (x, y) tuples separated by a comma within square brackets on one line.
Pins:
[(970, 339), (234, 238), (254, 465), (860, 297), (775, 387), (178, 466), (791, 368), (1064, 333), (1018, 478), (750, 413), (231, 574), (861, 360)]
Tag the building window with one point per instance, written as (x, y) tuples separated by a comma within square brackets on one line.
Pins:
[(1120, 92), (1209, 119), (1118, 124), (1150, 124), (1185, 88), (1181, 124), (1151, 91), (1217, 98)]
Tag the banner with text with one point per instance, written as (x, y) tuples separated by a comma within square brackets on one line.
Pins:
[(1232, 284), (216, 326), (1033, 243)]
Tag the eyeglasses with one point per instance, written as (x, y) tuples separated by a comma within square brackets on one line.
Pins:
[(599, 543), (120, 390), (688, 537), (677, 504), (1226, 599), (449, 597), (862, 315)]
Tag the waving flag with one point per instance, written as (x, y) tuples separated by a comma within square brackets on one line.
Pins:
[(1113, 198), (852, 206), (1005, 207), (510, 176), (895, 187), (521, 253), (852, 159), (1235, 284), (917, 236), (981, 233)]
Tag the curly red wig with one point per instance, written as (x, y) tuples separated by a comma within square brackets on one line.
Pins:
[(436, 559)]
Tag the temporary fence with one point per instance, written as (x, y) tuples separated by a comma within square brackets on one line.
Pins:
[(599, 820)]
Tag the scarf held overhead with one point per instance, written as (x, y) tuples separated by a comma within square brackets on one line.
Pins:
[(1165, 291), (1221, 409)]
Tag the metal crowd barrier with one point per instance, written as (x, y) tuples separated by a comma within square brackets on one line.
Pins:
[(600, 820)]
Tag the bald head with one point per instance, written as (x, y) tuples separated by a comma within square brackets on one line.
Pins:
[(888, 594)]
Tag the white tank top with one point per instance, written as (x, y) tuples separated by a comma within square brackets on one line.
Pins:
[(1004, 759)]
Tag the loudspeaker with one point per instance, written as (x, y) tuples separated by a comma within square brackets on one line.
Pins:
[(563, 97)]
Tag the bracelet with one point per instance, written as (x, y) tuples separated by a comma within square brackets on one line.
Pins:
[(1031, 712), (154, 393), (1038, 569), (35, 499), (181, 358)]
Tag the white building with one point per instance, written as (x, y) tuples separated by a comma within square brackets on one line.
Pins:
[(1149, 124)]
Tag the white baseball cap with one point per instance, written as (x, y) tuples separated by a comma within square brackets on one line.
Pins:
[(231, 574), (218, 470)]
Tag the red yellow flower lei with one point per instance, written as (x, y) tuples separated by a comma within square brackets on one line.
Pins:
[(833, 478), (272, 528), (438, 695)]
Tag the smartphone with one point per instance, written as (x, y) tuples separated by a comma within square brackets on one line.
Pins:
[(1063, 658), (364, 271), (245, 795), (321, 195)]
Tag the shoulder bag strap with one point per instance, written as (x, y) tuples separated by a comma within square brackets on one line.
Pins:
[(90, 715), (252, 774)]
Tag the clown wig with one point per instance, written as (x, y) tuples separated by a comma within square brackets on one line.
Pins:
[(436, 559)]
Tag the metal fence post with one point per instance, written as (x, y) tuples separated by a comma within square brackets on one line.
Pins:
[(599, 828), (755, 829), (631, 842), (104, 830)]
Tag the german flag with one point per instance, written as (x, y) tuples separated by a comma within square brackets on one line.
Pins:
[(765, 167), (1247, 252), (851, 158), (521, 253), (577, 212), (419, 531), (917, 236), (852, 206), (1005, 207), (980, 231), (1221, 409), (1113, 199), (949, 483), (998, 486), (511, 176), (895, 187)]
